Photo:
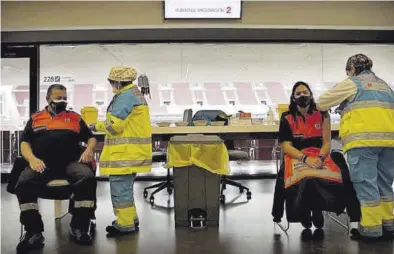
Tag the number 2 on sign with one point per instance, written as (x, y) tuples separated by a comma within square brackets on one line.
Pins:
[(228, 9)]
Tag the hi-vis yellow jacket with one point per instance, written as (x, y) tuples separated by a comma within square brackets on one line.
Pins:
[(128, 140), (368, 120)]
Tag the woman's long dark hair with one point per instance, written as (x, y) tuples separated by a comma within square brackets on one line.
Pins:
[(293, 110)]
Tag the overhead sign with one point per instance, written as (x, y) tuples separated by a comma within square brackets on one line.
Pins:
[(202, 9)]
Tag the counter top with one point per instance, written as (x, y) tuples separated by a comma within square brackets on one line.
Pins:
[(218, 129)]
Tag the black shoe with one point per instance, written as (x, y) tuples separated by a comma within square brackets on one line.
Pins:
[(113, 232), (388, 235), (30, 241), (81, 237), (355, 235), (318, 219), (306, 235), (318, 234)]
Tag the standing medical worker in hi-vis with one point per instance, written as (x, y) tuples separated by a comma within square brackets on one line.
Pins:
[(367, 134), (127, 147)]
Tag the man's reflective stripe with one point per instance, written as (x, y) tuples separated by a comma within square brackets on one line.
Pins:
[(386, 198), (368, 104), (120, 141), (368, 136), (370, 203), (110, 129), (122, 164), (84, 203), (324, 174), (28, 206)]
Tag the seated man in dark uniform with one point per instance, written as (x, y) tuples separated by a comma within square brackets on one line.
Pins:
[(51, 145)]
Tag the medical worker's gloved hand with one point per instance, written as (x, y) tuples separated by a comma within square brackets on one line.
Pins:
[(92, 127)]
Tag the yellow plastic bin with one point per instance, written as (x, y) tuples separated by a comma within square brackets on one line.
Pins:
[(89, 115), (281, 109)]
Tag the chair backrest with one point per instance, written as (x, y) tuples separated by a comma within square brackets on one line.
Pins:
[(187, 115)]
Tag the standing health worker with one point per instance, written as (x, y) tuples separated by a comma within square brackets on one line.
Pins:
[(367, 134), (127, 147)]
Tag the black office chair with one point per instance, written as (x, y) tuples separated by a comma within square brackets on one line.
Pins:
[(234, 155), (160, 156)]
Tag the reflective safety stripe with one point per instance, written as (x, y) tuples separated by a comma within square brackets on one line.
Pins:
[(367, 136), (28, 206), (109, 128), (368, 104), (371, 203), (387, 198), (388, 223), (123, 205), (122, 164), (372, 229), (324, 174), (84, 203), (120, 141)]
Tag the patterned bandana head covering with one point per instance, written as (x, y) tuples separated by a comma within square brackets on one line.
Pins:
[(359, 62), (122, 74)]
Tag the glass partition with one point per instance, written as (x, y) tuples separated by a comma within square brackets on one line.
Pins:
[(231, 77)]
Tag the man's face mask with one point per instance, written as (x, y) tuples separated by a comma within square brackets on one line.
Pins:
[(58, 106)]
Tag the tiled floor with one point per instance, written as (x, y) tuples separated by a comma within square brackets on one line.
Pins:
[(245, 228)]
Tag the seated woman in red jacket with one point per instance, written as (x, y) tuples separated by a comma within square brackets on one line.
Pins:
[(309, 181)]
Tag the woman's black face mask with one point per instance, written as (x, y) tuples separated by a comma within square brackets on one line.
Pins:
[(303, 101)]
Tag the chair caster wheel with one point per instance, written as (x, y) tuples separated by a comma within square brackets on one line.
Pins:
[(248, 195), (241, 190), (169, 191), (152, 200), (145, 194), (222, 199)]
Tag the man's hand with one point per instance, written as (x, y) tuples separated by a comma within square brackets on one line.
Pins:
[(87, 156), (37, 165)]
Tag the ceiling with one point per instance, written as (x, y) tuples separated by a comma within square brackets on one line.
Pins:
[(189, 62)]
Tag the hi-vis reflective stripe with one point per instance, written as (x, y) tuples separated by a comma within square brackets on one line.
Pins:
[(372, 229), (122, 205), (368, 136), (28, 206), (119, 141), (127, 163), (84, 203), (324, 174), (388, 223), (368, 104), (370, 203), (110, 129), (386, 198)]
